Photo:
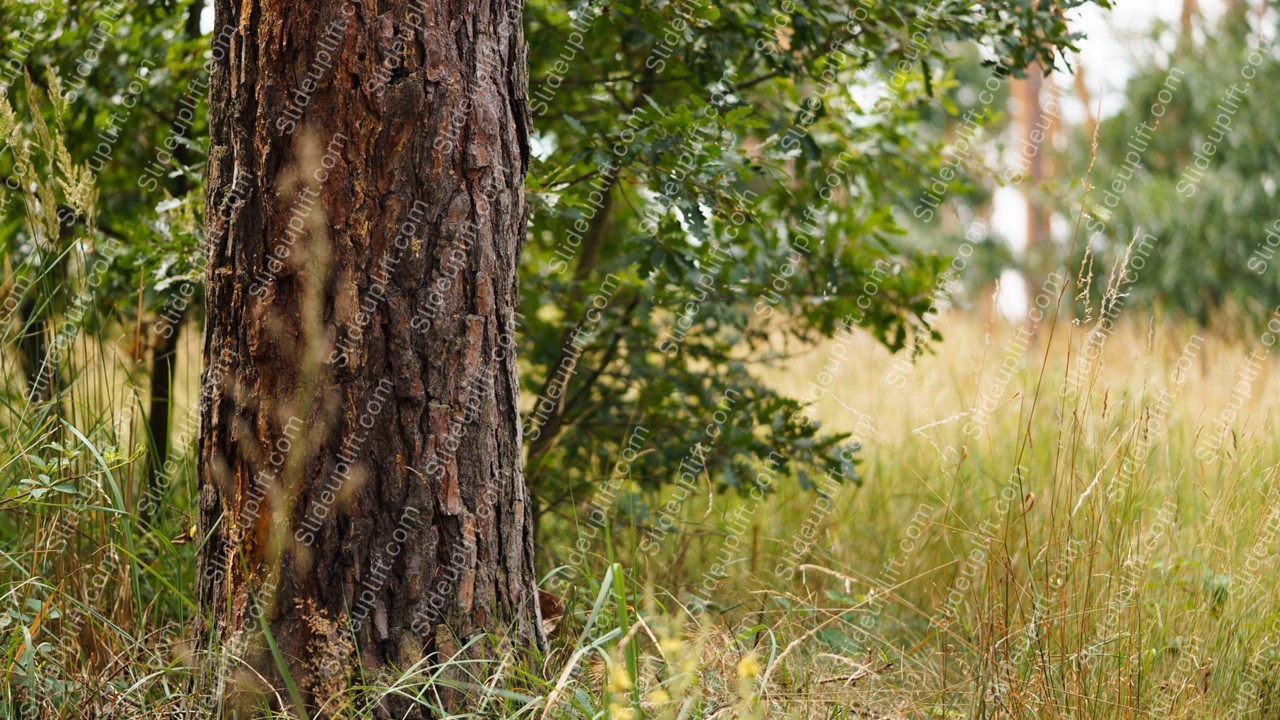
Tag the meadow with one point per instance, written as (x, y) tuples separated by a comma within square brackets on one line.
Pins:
[(1051, 519), (674, 213)]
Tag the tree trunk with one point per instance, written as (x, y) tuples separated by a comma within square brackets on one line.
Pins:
[(360, 462), (1190, 8), (164, 363), (1036, 143), (164, 352), (1086, 99), (43, 383)]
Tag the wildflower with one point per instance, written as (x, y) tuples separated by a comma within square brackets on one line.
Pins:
[(749, 666), (619, 681), (617, 711)]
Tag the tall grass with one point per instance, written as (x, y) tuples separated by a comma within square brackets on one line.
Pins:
[(1065, 557)]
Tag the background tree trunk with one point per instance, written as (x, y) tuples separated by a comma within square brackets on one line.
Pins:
[(164, 363), (164, 350), (1190, 8), (1031, 121), (43, 382), (360, 463)]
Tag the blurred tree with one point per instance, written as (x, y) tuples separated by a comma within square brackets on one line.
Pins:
[(1201, 189)]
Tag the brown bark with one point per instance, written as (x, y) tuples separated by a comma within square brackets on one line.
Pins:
[(360, 463), (1086, 98), (1190, 8), (164, 363), (1031, 120), (43, 381), (1036, 127)]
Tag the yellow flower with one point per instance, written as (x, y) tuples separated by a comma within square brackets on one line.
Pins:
[(619, 681), (749, 666), (670, 646), (621, 712), (659, 696)]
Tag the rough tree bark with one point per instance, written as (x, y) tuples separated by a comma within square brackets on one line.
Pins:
[(360, 463)]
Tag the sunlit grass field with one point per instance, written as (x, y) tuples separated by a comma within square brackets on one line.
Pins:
[(1043, 525)]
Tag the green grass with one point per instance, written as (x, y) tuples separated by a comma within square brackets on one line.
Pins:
[(1066, 557)]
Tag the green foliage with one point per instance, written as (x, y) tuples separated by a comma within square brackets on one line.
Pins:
[(123, 86), (726, 170), (733, 168), (1206, 189)]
